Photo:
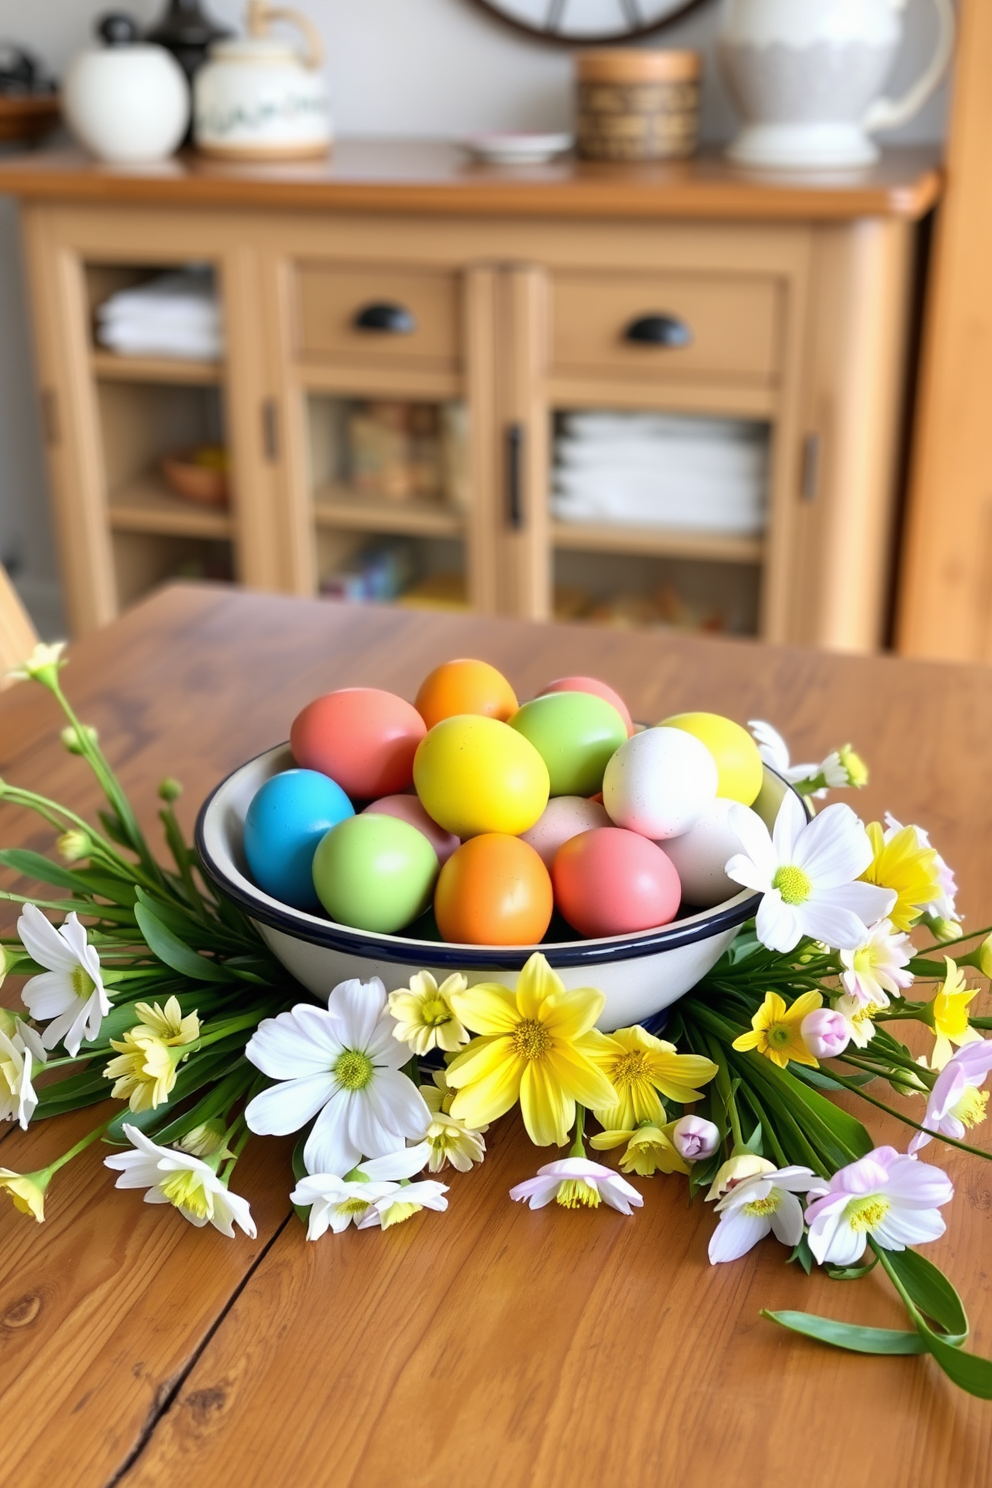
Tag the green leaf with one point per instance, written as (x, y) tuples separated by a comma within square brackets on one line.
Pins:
[(173, 951), (302, 1211), (850, 1273), (36, 865), (822, 1080), (80, 1089), (114, 829), (969, 1371), (803, 1255), (848, 1335), (203, 1068), (216, 1102), (931, 1291)]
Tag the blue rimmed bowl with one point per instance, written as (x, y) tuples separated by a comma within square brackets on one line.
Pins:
[(639, 974)]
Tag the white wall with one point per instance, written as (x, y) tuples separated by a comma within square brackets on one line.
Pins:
[(417, 67)]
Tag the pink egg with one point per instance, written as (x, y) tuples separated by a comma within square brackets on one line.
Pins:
[(409, 809), (564, 817), (613, 882), (598, 689)]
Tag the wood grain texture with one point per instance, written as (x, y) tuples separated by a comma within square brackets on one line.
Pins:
[(400, 175), (488, 1346)]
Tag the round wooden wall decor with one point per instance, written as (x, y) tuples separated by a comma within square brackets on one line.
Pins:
[(589, 22)]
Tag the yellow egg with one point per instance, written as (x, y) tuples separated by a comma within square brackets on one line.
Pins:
[(475, 774), (735, 752)]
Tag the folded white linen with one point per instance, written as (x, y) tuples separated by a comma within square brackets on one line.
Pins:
[(725, 461), (175, 314), (741, 521), (174, 341), (596, 426)]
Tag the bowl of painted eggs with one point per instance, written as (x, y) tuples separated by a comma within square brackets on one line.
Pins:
[(467, 830)]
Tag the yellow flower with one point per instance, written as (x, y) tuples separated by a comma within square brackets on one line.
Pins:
[(451, 1141), (853, 765), (27, 1190), (903, 864), (638, 1066), (775, 1029), (949, 1011), (424, 1016), (537, 1045), (650, 1149), (735, 1170), (150, 1053)]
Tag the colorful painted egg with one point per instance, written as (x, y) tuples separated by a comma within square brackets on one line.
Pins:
[(374, 872), (735, 752), (701, 854), (287, 818), (494, 890), (475, 774), (613, 882), (575, 734), (598, 689), (362, 737), (660, 782), (563, 817), (465, 687), (409, 809)]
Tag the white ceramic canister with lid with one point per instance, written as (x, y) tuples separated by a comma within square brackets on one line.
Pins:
[(258, 98), (807, 77), (126, 100)]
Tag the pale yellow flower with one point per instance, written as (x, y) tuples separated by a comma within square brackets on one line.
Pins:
[(41, 665), (775, 1029), (537, 1045), (638, 1066), (425, 1018), (150, 1053), (27, 1190), (902, 863), (650, 1149), (451, 1140), (949, 1011), (735, 1170)]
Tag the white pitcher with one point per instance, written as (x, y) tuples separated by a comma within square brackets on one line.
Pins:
[(807, 75)]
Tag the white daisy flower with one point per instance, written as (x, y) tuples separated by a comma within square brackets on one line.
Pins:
[(576, 1181), (758, 1206), (342, 1065), (186, 1182), (876, 968), (842, 767), (893, 1198), (859, 1017), (807, 875), (366, 1194), (70, 991)]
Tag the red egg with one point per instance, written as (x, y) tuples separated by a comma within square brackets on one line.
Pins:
[(409, 809), (362, 737), (598, 689), (613, 882)]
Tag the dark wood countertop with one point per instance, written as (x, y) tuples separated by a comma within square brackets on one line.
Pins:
[(440, 179)]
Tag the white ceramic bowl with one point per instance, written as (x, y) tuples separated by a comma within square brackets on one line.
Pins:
[(640, 974)]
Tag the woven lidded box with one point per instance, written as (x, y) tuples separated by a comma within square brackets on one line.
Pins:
[(636, 104)]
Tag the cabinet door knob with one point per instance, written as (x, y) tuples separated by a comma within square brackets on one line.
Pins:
[(659, 330), (394, 320)]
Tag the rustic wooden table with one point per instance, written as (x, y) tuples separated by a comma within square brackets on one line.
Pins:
[(492, 1346)]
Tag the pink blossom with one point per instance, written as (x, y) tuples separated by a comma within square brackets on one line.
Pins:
[(954, 1103), (695, 1138), (825, 1033), (893, 1198)]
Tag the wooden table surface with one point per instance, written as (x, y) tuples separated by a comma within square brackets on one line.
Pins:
[(438, 177), (490, 1345)]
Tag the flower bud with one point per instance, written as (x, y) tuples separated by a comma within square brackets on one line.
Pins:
[(71, 740), (735, 1170), (205, 1140), (694, 1138), (3, 965), (169, 790), (74, 846), (905, 1082), (825, 1033), (942, 928)]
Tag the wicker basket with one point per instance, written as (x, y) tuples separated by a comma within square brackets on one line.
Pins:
[(637, 104)]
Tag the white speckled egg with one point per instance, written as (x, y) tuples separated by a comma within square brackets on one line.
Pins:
[(564, 818), (701, 854), (660, 782)]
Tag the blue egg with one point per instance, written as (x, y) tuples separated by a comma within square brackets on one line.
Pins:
[(286, 819)]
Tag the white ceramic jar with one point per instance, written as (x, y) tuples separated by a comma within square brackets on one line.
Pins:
[(807, 75), (257, 98), (126, 101)]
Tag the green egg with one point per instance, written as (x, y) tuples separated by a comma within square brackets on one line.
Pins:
[(575, 733), (379, 874)]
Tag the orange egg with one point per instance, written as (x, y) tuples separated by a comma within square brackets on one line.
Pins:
[(465, 686), (494, 890)]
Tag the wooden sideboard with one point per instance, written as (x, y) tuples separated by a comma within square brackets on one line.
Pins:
[(520, 283)]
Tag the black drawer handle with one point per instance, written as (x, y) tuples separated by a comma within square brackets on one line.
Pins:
[(659, 330), (394, 320), (514, 477)]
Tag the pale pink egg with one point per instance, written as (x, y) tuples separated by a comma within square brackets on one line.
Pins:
[(598, 689), (409, 809), (564, 817)]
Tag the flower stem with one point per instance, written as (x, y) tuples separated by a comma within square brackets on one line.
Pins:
[(578, 1147), (80, 1146), (906, 1120)]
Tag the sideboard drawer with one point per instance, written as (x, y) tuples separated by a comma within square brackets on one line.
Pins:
[(666, 325), (392, 316)]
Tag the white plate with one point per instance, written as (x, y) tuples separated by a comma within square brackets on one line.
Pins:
[(511, 148)]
